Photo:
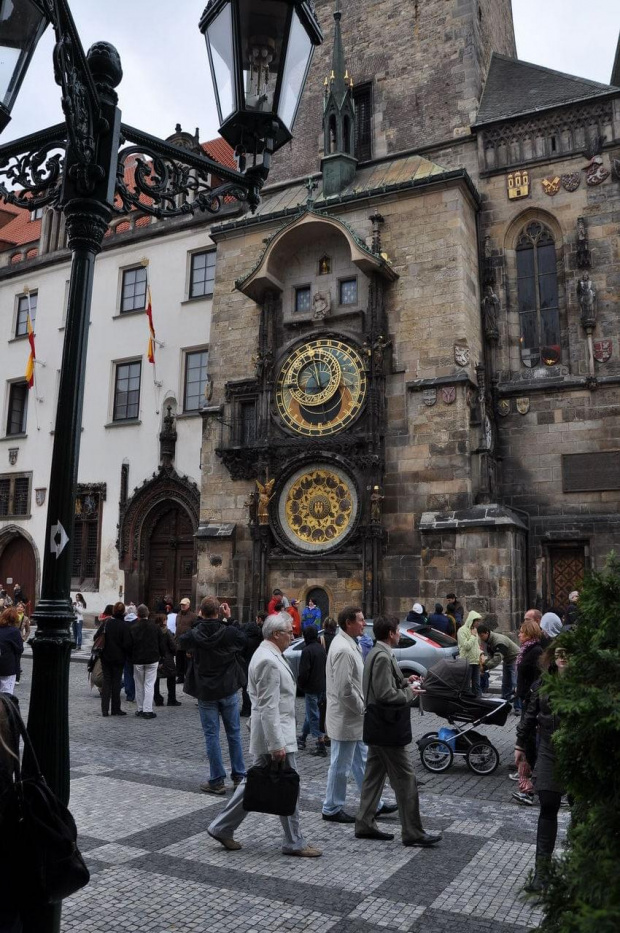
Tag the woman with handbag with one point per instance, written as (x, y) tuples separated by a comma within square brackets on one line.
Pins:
[(387, 731), (167, 666)]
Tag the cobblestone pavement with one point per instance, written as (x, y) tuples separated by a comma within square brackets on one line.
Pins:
[(143, 820)]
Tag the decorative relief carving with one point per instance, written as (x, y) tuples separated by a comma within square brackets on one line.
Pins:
[(587, 302)]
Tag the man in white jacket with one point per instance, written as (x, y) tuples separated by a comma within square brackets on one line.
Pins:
[(273, 736), (344, 722)]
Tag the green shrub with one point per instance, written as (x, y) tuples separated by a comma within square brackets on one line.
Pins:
[(583, 895)]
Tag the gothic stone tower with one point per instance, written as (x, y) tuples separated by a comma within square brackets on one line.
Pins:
[(378, 363)]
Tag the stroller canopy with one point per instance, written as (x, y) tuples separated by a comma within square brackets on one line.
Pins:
[(447, 678)]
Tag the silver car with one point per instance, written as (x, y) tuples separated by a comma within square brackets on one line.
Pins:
[(418, 649)]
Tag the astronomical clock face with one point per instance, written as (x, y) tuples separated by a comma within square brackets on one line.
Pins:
[(317, 508), (321, 387)]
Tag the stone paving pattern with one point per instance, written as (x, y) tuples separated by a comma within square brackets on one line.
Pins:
[(143, 821)]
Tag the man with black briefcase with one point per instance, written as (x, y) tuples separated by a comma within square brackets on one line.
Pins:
[(273, 740)]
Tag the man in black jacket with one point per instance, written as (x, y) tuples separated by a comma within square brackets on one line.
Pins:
[(311, 679), (253, 632), (216, 675)]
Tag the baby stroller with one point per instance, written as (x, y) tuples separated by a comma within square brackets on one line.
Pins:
[(448, 695)]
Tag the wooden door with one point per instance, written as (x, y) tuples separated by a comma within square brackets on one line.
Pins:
[(171, 558), (567, 569), (18, 564)]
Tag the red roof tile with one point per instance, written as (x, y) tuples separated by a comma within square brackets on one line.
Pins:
[(20, 229)]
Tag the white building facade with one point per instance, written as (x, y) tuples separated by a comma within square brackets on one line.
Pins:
[(137, 507)]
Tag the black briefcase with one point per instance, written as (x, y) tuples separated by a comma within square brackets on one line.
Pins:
[(271, 788)]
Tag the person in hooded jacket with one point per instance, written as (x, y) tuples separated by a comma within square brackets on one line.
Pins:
[(469, 648), (417, 614), (551, 624), (439, 620), (217, 673)]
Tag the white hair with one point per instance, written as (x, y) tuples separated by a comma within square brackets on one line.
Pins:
[(277, 622)]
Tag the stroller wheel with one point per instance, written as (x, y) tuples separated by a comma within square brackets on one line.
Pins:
[(436, 756), (482, 758)]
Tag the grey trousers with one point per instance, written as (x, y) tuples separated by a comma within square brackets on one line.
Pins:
[(396, 764), (233, 814)]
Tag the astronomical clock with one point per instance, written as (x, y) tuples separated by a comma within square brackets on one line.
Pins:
[(321, 387)]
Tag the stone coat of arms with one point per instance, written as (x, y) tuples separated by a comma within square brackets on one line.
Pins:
[(461, 354), (602, 350), (448, 394), (551, 186), (429, 396), (523, 405)]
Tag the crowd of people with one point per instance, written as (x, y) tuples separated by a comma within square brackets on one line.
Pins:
[(357, 701)]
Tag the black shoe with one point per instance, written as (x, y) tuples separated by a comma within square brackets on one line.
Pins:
[(374, 834), (535, 886), (174, 703), (428, 839), (149, 715), (138, 713), (340, 817), (105, 714), (320, 751), (180, 680), (387, 808), (158, 701), (119, 712), (246, 712)]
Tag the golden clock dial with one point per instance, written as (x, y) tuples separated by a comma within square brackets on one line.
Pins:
[(321, 387), (317, 508)]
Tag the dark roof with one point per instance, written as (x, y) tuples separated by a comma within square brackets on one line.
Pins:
[(513, 88)]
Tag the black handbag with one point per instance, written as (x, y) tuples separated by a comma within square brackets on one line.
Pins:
[(43, 833), (271, 788), (387, 725)]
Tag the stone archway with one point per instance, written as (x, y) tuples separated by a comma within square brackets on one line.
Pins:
[(156, 539), (19, 563)]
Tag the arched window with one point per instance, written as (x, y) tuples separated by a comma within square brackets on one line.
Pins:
[(537, 286), (333, 136), (346, 143)]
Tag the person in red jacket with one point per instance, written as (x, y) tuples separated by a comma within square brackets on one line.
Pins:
[(293, 611)]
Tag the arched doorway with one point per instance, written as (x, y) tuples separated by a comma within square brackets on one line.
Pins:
[(18, 565), (170, 560), (320, 597)]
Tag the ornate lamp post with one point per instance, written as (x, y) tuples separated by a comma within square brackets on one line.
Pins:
[(79, 167)]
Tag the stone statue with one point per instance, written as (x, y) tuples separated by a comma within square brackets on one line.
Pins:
[(378, 348), (251, 504), (490, 314), (587, 301), (265, 494), (375, 505), (321, 305)]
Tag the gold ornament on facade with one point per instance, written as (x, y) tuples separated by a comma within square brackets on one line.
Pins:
[(319, 508), (518, 184)]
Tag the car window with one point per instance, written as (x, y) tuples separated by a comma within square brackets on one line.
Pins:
[(440, 638), (405, 641)]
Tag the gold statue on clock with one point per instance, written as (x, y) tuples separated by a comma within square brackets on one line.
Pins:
[(321, 387)]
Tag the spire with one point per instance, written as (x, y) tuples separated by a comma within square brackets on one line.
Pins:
[(339, 80), (339, 162)]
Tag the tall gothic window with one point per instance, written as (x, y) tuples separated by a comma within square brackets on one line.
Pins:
[(87, 537), (537, 287), (362, 97)]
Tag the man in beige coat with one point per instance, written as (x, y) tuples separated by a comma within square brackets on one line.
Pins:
[(385, 688), (344, 721), (273, 736)]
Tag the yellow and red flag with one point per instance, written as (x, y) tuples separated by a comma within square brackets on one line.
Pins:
[(149, 313), (30, 364)]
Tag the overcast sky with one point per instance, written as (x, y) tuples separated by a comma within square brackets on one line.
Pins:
[(166, 73)]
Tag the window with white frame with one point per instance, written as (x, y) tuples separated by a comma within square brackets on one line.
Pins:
[(17, 413), (202, 274), (133, 294), (127, 377), (195, 380), (25, 303)]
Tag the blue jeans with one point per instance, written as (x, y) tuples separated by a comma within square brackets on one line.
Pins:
[(474, 673), (346, 758), (129, 684), (210, 711), (77, 633), (509, 680), (311, 722)]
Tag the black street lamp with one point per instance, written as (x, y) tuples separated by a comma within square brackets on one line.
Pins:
[(78, 167)]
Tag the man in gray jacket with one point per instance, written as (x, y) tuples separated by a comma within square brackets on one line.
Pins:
[(385, 686), (273, 736)]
